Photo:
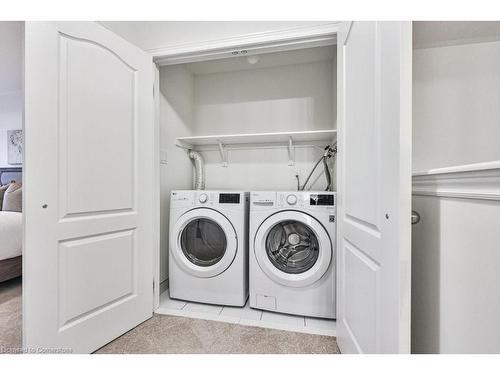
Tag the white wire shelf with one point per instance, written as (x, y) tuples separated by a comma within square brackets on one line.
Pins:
[(258, 140)]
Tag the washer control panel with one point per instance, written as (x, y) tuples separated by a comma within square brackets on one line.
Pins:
[(324, 201), (321, 200), (261, 200), (306, 199)]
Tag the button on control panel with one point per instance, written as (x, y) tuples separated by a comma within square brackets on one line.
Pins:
[(291, 199)]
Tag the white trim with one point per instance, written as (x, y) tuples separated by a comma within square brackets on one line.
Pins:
[(457, 42), (270, 41), (156, 188), (460, 168), (471, 181)]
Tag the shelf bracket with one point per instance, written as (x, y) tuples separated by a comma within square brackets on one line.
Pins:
[(291, 152), (223, 153)]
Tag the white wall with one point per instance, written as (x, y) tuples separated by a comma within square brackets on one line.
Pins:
[(455, 276), (150, 35), (287, 98), (11, 117), (11, 96), (11, 56), (455, 262), (456, 105), (176, 120)]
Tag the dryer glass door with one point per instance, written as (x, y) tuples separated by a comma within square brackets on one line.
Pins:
[(203, 242)]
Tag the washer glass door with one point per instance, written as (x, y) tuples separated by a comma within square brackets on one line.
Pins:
[(293, 248)]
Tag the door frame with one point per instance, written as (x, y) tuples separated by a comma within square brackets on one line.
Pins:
[(156, 188), (323, 34)]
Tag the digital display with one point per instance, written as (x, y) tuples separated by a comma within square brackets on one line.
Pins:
[(229, 198), (321, 200)]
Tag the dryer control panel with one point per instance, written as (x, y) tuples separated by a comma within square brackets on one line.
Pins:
[(192, 198), (232, 198)]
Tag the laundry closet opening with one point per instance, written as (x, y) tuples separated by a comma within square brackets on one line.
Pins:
[(261, 122)]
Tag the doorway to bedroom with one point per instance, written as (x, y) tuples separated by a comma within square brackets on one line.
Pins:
[(11, 166)]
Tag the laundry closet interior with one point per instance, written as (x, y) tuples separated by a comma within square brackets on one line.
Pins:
[(261, 118)]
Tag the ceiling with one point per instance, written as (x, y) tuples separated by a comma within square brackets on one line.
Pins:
[(11, 56)]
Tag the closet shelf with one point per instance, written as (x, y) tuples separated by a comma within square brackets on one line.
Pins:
[(257, 140)]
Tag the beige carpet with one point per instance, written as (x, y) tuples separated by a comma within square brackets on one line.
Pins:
[(172, 335), (176, 335), (10, 315)]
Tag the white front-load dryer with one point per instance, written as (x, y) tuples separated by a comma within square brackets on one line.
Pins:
[(292, 252), (208, 253)]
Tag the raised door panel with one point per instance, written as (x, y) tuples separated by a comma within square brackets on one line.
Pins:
[(361, 291), (84, 293), (98, 123), (361, 139)]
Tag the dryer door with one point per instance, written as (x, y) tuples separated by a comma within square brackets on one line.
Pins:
[(204, 242), (293, 248)]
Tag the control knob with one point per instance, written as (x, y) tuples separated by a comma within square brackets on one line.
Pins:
[(291, 199)]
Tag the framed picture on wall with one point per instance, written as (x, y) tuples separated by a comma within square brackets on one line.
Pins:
[(15, 147)]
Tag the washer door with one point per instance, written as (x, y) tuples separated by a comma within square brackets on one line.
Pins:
[(203, 242), (293, 248)]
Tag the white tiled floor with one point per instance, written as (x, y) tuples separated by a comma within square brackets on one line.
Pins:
[(246, 316)]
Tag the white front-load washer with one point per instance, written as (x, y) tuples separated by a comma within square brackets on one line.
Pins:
[(208, 253), (292, 252)]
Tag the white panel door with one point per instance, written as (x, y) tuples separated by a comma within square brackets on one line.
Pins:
[(374, 244), (88, 175)]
